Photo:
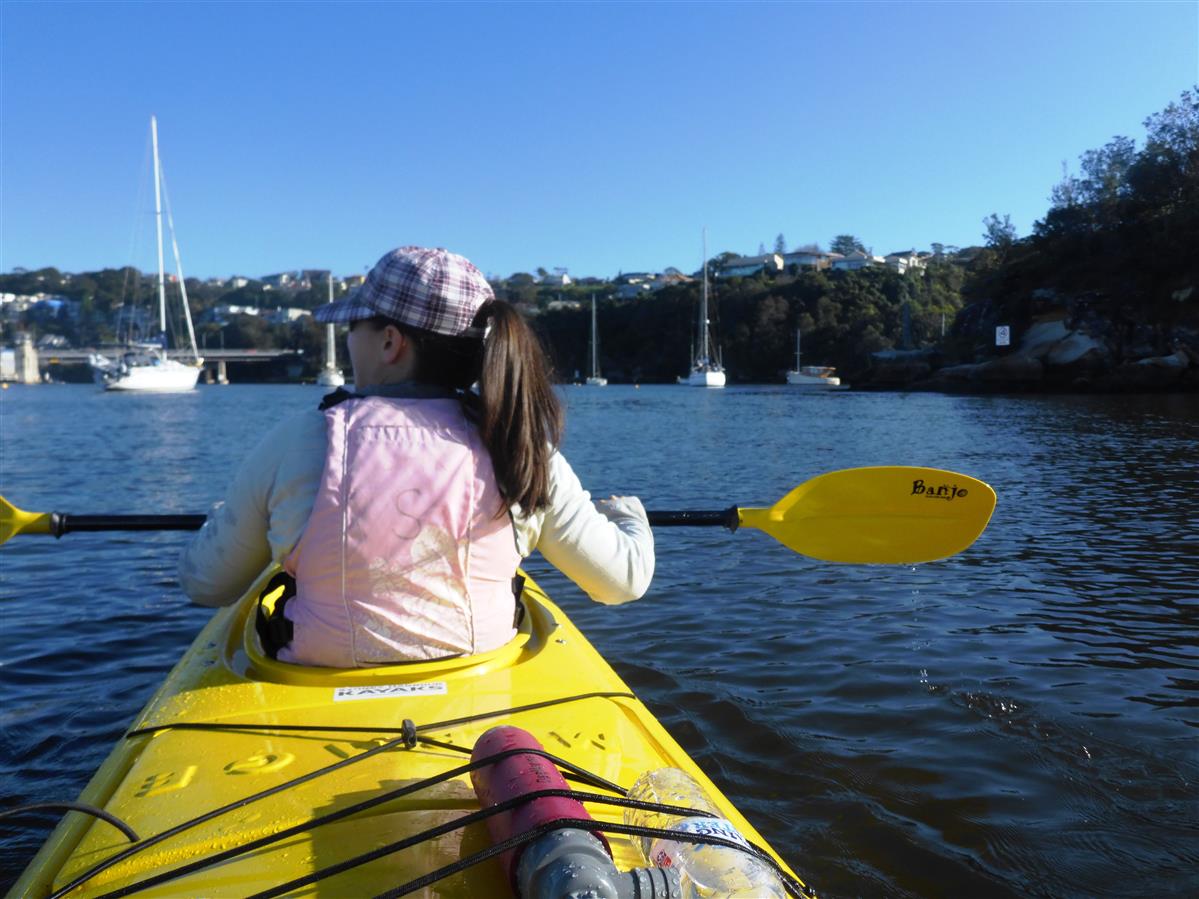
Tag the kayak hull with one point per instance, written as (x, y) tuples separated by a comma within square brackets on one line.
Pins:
[(229, 725)]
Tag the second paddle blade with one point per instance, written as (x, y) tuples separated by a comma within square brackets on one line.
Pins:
[(889, 515)]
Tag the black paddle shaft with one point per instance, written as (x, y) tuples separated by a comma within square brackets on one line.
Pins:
[(64, 524), (61, 523), (726, 518)]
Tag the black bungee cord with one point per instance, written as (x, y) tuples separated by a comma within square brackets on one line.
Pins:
[(74, 807)]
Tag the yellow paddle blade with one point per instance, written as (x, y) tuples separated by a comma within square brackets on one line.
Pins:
[(889, 515), (15, 521)]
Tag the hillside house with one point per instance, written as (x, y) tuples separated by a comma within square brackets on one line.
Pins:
[(851, 262), (811, 259), (281, 281), (904, 260), (669, 278), (221, 314), (632, 291), (746, 266), (285, 315)]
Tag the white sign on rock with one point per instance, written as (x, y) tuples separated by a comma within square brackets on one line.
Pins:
[(1003, 335)]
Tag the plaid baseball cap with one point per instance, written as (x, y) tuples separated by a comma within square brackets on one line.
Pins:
[(430, 289)]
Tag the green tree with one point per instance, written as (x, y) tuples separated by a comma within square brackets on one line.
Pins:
[(780, 244), (1000, 233), (845, 244)]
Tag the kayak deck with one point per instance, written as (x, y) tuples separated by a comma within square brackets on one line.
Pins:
[(230, 724)]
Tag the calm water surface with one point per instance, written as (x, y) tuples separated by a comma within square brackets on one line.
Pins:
[(1020, 719)]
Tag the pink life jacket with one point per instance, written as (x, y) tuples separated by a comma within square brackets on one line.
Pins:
[(404, 557)]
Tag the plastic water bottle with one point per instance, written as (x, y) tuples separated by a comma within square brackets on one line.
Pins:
[(705, 871)]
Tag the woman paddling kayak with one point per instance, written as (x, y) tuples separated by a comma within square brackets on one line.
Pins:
[(402, 509)]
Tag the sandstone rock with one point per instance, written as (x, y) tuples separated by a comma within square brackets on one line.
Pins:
[(1016, 369), (1176, 360), (958, 373), (1041, 337), (1153, 373), (898, 371), (1079, 356)]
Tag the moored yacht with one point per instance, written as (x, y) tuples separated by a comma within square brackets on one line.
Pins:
[(146, 367), (595, 379), (706, 368), (818, 376), (330, 375)]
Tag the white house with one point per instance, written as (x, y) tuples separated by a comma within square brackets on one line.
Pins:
[(632, 290), (284, 315), (856, 260), (904, 260), (810, 259), (744, 266), (222, 313), (669, 278), (283, 279)]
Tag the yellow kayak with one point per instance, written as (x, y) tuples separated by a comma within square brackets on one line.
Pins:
[(244, 775)]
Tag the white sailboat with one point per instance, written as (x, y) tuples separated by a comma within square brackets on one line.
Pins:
[(818, 376), (146, 368), (595, 379), (706, 369), (330, 375)]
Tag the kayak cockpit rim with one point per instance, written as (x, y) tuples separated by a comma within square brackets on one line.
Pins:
[(245, 655)]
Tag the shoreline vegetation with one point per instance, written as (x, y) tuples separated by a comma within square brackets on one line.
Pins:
[(1102, 296)]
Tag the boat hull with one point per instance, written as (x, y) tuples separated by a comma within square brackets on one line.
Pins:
[(164, 376), (330, 377), (229, 723), (815, 382), (705, 378)]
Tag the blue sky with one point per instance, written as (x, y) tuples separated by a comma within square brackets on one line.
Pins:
[(597, 137)]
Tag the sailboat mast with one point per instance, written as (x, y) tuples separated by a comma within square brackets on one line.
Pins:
[(703, 309), (594, 343), (162, 285), (187, 312), (330, 337), (797, 349)]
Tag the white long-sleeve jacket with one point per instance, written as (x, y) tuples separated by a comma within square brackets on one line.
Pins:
[(606, 547)]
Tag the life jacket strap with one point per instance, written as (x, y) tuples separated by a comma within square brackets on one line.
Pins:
[(518, 589)]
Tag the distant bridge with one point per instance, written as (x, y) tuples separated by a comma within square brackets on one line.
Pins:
[(217, 358)]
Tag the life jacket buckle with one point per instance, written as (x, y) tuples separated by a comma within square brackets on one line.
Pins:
[(274, 630)]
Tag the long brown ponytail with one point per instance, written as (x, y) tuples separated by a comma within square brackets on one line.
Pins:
[(520, 418)]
